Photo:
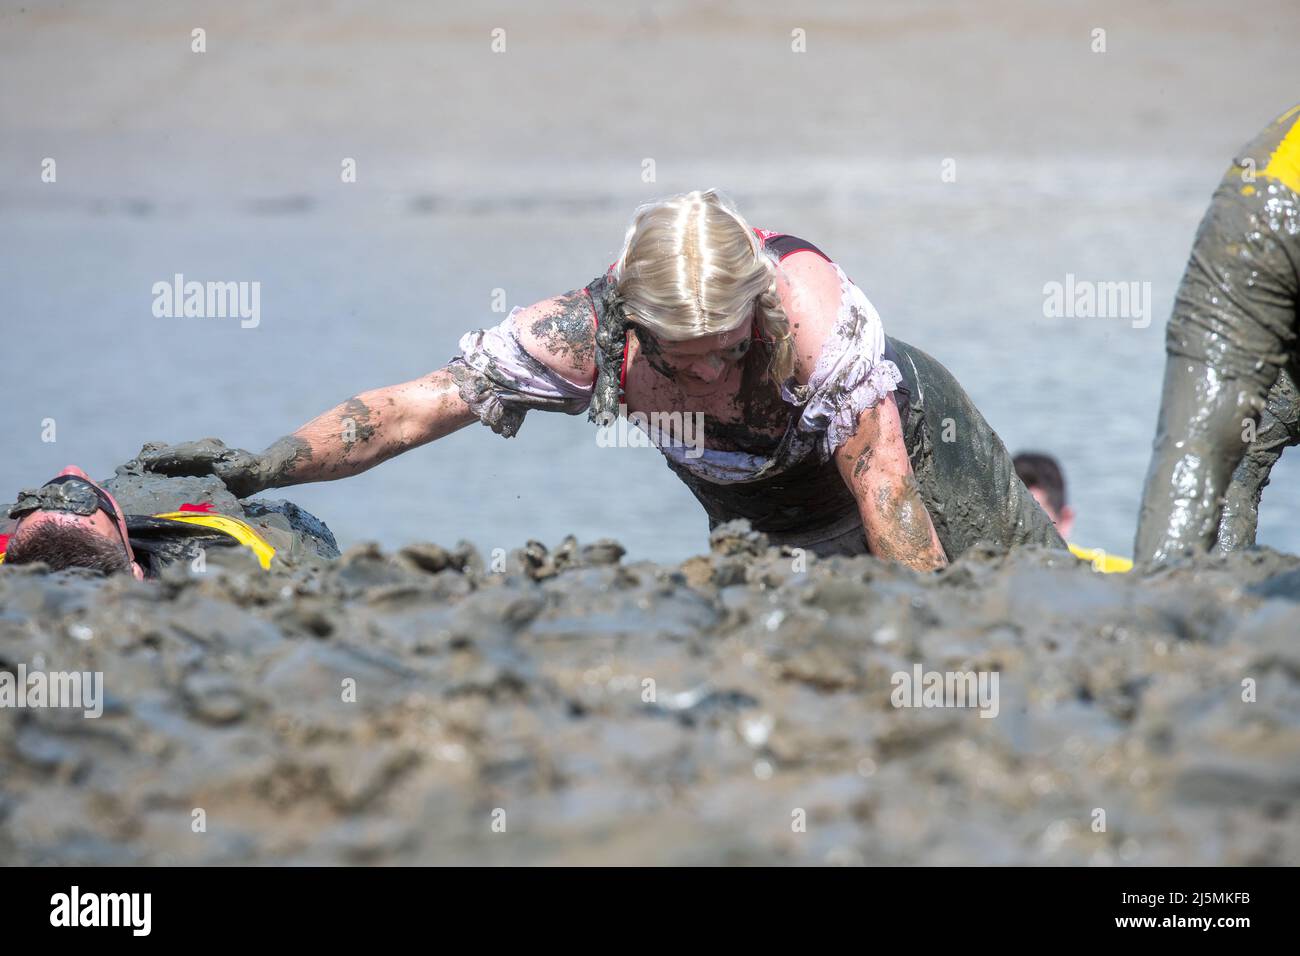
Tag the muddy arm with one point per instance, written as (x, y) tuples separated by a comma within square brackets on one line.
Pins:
[(368, 429), (537, 358), (875, 466), (555, 338), (1279, 428), (1198, 444), (346, 440)]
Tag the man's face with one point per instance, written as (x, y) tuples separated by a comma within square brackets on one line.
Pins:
[(1063, 519), (110, 527)]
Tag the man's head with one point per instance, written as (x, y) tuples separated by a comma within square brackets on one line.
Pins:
[(71, 522), (1043, 477)]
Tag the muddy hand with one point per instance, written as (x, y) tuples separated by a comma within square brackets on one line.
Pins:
[(244, 473)]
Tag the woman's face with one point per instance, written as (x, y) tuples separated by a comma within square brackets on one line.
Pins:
[(699, 362)]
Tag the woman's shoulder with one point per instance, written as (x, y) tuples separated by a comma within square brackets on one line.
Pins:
[(560, 332), (812, 291)]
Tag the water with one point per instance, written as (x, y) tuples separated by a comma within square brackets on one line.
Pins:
[(523, 179)]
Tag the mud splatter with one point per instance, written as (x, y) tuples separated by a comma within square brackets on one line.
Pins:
[(652, 351), (358, 414), (905, 536), (282, 460), (569, 332)]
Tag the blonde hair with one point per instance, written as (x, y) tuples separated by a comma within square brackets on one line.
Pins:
[(692, 266)]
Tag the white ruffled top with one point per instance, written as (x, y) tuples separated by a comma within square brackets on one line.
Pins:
[(851, 375)]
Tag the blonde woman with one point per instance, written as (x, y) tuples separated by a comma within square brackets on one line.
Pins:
[(819, 429)]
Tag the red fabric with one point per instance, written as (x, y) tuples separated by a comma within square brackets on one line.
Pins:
[(206, 507), (4, 543)]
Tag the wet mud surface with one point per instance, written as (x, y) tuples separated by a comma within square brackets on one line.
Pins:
[(504, 717)]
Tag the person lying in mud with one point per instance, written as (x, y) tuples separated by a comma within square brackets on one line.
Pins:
[(1230, 404), (74, 522), (819, 429)]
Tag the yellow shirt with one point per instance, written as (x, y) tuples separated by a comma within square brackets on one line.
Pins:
[(1101, 561)]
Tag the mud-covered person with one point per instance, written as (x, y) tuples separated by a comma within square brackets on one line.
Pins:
[(821, 431), (138, 523), (1230, 404)]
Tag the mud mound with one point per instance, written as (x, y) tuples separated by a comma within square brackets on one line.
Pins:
[(734, 709)]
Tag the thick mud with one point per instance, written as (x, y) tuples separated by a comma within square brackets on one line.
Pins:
[(576, 708)]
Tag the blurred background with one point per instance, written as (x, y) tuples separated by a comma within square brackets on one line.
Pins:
[(519, 170)]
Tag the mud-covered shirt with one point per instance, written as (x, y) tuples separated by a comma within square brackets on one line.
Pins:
[(1236, 309)]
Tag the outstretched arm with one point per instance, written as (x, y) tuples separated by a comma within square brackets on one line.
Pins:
[(555, 335), (369, 428), (346, 440)]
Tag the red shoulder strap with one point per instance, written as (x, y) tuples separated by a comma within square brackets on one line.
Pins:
[(784, 244)]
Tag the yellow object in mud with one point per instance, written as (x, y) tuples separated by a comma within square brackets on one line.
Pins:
[(241, 531), (1101, 561)]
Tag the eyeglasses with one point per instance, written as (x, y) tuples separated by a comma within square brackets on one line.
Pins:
[(68, 493)]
